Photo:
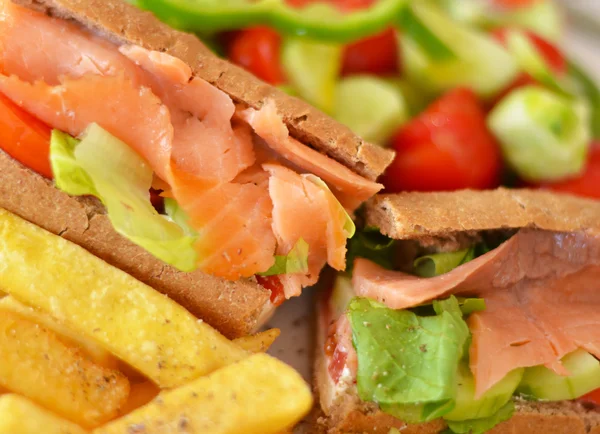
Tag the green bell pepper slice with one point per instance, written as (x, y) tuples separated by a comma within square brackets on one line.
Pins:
[(319, 20)]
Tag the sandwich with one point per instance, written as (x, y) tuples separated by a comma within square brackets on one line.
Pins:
[(135, 142), (465, 312)]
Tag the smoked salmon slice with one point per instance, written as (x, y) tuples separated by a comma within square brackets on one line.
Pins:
[(350, 189), (302, 209), (541, 294), (36, 47)]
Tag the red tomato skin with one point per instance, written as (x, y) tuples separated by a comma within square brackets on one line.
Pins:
[(273, 284), (513, 4), (257, 49), (24, 137), (585, 185), (337, 357), (378, 55), (447, 147), (593, 397)]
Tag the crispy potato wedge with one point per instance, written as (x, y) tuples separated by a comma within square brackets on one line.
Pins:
[(18, 415), (259, 342), (91, 349), (140, 395), (261, 394), (144, 328), (34, 362)]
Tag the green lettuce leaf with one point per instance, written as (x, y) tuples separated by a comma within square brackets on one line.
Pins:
[(103, 166), (480, 426), (349, 227), (408, 363), (370, 244), (296, 261), (179, 216), (441, 263), (470, 305)]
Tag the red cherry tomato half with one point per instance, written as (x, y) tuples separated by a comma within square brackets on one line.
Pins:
[(593, 397), (447, 147), (588, 183), (377, 55), (257, 50), (24, 137), (512, 4), (273, 284)]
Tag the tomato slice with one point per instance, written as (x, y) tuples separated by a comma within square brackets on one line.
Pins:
[(447, 147), (588, 183), (337, 357), (273, 284), (377, 55), (593, 397), (24, 137), (512, 4), (257, 49)]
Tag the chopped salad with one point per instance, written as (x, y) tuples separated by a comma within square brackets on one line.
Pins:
[(470, 93)]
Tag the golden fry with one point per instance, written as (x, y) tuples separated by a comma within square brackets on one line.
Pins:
[(259, 342), (140, 395), (18, 415), (91, 349), (260, 394), (137, 324), (34, 362)]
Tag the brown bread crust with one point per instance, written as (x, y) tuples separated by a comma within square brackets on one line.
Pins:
[(123, 23), (441, 217), (233, 308)]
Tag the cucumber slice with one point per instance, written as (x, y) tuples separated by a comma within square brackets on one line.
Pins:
[(478, 61), (542, 383), (544, 135), (342, 293), (313, 69), (467, 407), (371, 107)]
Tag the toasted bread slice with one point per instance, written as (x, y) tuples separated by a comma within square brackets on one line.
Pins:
[(445, 218)]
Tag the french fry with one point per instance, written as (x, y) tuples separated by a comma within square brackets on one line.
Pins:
[(140, 395), (18, 415), (34, 362), (137, 324), (91, 349), (260, 394), (259, 342)]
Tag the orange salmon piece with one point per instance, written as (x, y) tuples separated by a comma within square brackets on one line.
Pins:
[(350, 189)]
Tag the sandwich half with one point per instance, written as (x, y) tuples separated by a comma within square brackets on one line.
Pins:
[(254, 190), (465, 312)]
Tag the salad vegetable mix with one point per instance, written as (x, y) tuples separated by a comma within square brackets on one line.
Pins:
[(470, 93)]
